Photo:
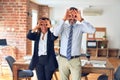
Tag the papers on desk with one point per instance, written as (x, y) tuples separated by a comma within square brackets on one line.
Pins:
[(27, 57), (95, 63), (83, 62), (98, 65)]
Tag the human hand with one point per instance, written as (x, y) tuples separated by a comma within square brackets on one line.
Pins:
[(79, 17), (37, 27), (66, 17), (48, 23)]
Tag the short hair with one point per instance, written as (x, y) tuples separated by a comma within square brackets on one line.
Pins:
[(45, 18), (73, 8)]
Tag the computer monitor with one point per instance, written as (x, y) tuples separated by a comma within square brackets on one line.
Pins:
[(91, 44)]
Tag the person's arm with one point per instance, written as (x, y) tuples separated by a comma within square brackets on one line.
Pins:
[(32, 34), (58, 29), (53, 37), (87, 27)]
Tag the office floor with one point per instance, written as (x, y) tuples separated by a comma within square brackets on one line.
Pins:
[(7, 75)]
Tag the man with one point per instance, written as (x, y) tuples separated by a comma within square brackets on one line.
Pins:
[(44, 58), (70, 30)]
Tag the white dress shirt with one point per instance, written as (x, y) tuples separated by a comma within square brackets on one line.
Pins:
[(78, 29), (43, 45)]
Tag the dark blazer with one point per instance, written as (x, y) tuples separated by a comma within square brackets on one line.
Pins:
[(51, 57)]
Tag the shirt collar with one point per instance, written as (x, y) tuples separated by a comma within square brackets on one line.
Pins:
[(45, 37)]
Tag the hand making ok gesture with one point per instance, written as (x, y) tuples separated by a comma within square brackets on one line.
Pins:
[(73, 14)]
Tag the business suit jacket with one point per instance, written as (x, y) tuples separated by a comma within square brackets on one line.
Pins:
[(51, 62)]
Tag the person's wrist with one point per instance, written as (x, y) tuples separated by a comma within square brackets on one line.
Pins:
[(64, 19), (81, 19), (33, 30)]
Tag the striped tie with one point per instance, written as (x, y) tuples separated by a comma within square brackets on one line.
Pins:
[(69, 43)]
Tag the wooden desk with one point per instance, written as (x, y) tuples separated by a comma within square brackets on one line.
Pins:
[(108, 70), (17, 66), (8, 50)]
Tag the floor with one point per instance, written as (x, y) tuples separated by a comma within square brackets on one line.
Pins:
[(5, 73)]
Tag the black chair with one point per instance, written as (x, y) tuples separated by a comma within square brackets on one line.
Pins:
[(103, 77), (85, 75), (21, 73), (116, 75)]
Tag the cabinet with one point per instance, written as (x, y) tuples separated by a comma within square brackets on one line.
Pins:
[(98, 49), (114, 52), (97, 43)]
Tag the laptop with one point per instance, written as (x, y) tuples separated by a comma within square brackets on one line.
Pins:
[(3, 42)]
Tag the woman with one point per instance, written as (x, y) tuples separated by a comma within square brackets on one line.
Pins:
[(44, 58)]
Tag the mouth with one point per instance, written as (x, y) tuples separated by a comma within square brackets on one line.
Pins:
[(72, 21)]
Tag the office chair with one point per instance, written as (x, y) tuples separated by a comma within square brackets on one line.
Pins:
[(21, 73), (103, 77), (85, 75), (116, 75)]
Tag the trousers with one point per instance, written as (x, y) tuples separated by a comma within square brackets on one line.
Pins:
[(42, 71), (67, 67)]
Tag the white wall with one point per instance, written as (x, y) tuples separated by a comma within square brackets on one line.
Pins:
[(110, 19)]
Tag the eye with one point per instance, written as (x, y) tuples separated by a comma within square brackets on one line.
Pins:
[(41, 24), (69, 15), (75, 16)]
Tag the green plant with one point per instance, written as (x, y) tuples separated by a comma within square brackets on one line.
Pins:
[(104, 36), (102, 45)]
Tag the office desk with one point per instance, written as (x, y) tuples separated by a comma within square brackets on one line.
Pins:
[(108, 70), (19, 65)]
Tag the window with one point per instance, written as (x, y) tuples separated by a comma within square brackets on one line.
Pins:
[(34, 23)]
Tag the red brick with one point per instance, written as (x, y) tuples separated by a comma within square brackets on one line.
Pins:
[(5, 0), (14, 16)]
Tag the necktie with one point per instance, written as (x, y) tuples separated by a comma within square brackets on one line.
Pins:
[(69, 45)]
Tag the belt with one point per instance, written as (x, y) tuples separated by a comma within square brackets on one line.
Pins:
[(71, 56)]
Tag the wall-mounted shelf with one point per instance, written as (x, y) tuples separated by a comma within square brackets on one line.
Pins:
[(99, 51), (97, 45)]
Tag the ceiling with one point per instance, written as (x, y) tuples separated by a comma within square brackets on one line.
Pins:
[(89, 7), (77, 3)]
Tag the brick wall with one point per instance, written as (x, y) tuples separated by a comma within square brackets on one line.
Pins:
[(43, 10), (15, 23)]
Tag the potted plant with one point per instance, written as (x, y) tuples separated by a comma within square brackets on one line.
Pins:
[(104, 37), (102, 45)]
